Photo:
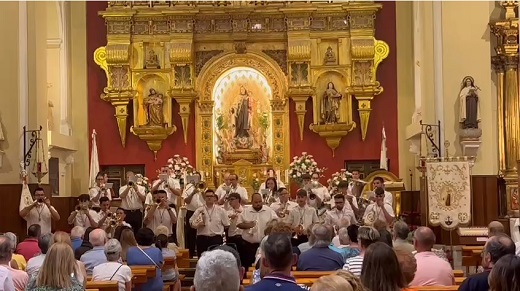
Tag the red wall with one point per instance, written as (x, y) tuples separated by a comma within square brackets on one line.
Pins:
[(384, 110), (101, 113)]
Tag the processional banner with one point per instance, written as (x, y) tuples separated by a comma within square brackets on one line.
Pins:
[(449, 193)]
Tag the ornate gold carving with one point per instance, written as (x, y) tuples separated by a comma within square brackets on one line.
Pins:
[(300, 97), (181, 52), (182, 76), (185, 99), (362, 20), (297, 23), (299, 50), (202, 57), (240, 47), (333, 133), (299, 74), (153, 136), (280, 56)]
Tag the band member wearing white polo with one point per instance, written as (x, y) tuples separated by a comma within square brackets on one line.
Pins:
[(41, 212), (318, 194), (132, 198), (301, 217), (82, 215), (379, 182), (253, 221), (341, 215), (210, 220), (352, 201), (271, 173), (284, 206), (99, 190), (167, 183), (379, 210), (193, 198), (233, 187), (160, 213), (234, 234)]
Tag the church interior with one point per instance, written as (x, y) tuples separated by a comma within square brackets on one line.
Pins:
[(424, 94)]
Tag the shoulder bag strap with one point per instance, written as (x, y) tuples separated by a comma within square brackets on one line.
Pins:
[(148, 257), (115, 273)]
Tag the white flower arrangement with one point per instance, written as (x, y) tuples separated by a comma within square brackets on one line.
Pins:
[(180, 166), (304, 164), (143, 181), (255, 183), (336, 178)]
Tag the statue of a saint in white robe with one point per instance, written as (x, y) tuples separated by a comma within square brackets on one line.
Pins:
[(469, 115)]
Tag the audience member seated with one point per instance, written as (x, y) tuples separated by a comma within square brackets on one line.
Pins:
[(401, 232), (29, 247), (85, 244), (113, 270), (278, 258), (385, 237), (381, 270), (494, 249), (17, 261), (235, 253), (216, 271), (127, 240), (367, 235), (303, 247), (34, 264), (146, 254), (76, 237), (354, 281), (96, 255), (408, 265), (495, 228), (56, 271), (505, 275), (320, 257), (331, 283), (63, 237), (170, 274), (6, 283), (431, 270), (18, 277), (351, 240)]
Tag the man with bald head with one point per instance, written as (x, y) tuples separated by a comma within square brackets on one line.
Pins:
[(495, 228), (495, 248), (431, 270), (320, 257), (95, 256)]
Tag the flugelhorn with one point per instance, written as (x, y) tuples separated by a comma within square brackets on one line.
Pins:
[(298, 231), (282, 212)]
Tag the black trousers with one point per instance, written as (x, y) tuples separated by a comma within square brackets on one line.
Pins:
[(204, 242), (239, 242), (249, 253), (299, 240), (190, 234), (134, 218)]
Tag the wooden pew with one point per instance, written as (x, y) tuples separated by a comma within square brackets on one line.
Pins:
[(435, 288), (459, 280), (150, 270), (103, 285), (183, 258), (299, 281), (458, 273), (302, 274), (91, 289)]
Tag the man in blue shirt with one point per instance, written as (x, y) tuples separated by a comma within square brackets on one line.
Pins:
[(320, 257), (95, 256), (279, 259), (76, 237)]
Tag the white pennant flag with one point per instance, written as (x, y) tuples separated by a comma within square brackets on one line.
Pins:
[(26, 197), (383, 161), (94, 161)]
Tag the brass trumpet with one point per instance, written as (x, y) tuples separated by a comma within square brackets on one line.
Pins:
[(282, 212), (299, 231)]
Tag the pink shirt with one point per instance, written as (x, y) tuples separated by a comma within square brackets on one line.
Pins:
[(432, 271), (28, 248), (19, 277)]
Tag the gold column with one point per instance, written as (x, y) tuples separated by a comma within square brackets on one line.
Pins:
[(506, 67)]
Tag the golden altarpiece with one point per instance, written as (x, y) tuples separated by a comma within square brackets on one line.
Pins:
[(240, 62)]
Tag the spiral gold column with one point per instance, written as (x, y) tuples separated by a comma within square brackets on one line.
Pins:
[(506, 66)]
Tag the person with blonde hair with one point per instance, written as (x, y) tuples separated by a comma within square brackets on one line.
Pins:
[(57, 272), (408, 264), (63, 237), (127, 241), (354, 281), (331, 283)]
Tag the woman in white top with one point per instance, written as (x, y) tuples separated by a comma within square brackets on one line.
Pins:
[(114, 270)]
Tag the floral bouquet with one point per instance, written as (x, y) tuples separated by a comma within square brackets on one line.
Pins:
[(180, 167), (255, 183), (336, 178), (305, 164), (143, 181)]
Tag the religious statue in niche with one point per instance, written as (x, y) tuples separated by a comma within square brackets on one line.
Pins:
[(152, 61), (469, 115), (241, 116), (330, 105), (153, 106), (330, 58)]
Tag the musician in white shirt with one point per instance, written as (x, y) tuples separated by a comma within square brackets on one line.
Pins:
[(318, 193), (232, 187), (160, 213), (379, 182), (210, 220), (269, 192), (301, 217), (82, 215), (132, 198), (284, 206), (253, 221), (341, 215), (272, 174), (352, 200), (193, 197), (167, 183), (40, 212), (379, 210), (234, 234), (99, 190)]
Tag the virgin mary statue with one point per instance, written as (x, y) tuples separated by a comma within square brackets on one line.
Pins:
[(469, 115), (242, 122)]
